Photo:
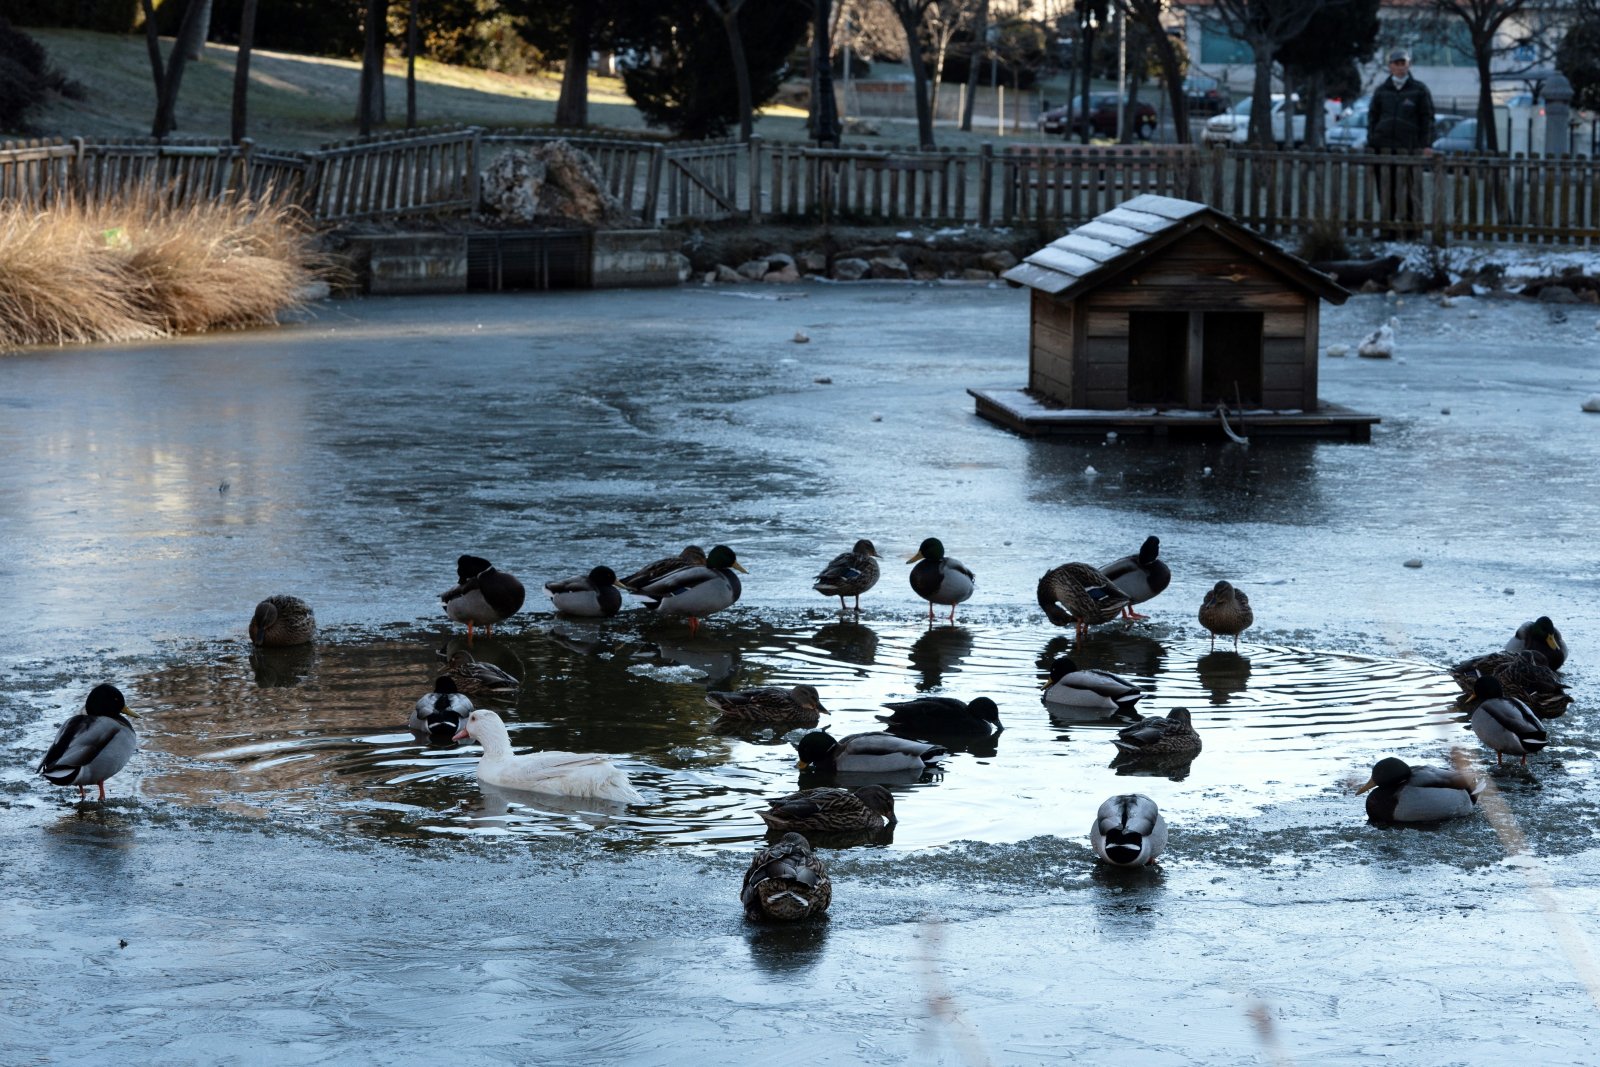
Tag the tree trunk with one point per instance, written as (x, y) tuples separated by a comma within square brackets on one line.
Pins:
[(152, 40), (1261, 95), (572, 109), (1172, 78), (980, 39), (411, 65), (196, 46), (741, 71), (166, 108), (942, 43), (1488, 132), (909, 17), (370, 110), (241, 69)]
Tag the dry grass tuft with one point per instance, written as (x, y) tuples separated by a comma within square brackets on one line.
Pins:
[(136, 268)]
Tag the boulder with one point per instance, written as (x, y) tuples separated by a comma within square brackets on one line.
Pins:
[(889, 267), (1354, 274), (1461, 288), (725, 273), (1556, 294), (813, 262), (974, 274), (787, 274), (998, 261), (753, 269), (779, 261), (549, 182), (850, 269)]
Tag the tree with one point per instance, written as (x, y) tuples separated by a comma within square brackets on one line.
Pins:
[(912, 14), (1168, 56), (686, 82), (169, 77), (1266, 25), (727, 12), (574, 29), (370, 107), (241, 69), (1578, 57), (1483, 19), (1325, 52), (980, 48)]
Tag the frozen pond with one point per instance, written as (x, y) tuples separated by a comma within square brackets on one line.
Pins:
[(298, 880)]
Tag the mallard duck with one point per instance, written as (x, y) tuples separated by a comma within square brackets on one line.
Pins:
[(1523, 676), (1226, 611), (944, 716), (850, 573), (483, 595), (1540, 636), (1379, 344), (831, 810), (1403, 793), (768, 705), (1079, 594), (786, 881), (282, 621), (1071, 686), (938, 578), (91, 747), (879, 753), (597, 594), (650, 573), (438, 715), (1140, 577), (1504, 723), (567, 774), (474, 677), (1129, 831), (696, 592), (1171, 738)]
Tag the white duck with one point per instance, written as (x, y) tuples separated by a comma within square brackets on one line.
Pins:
[(1129, 831), (567, 774), (1379, 344)]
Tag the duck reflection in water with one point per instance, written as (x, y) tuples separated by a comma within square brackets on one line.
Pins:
[(718, 658), (849, 641), (1223, 674), (784, 950), (505, 806), (581, 639), (485, 649), (938, 652), (1116, 651), (283, 668)]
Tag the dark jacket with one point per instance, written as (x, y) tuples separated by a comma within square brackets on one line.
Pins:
[(1400, 118)]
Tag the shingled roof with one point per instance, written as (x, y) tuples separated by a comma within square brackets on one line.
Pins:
[(1125, 236)]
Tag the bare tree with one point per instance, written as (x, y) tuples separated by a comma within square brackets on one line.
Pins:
[(1147, 13), (370, 107), (241, 68), (728, 12), (1483, 19), (572, 107), (168, 78), (980, 50), (912, 14), (946, 18), (1265, 25)]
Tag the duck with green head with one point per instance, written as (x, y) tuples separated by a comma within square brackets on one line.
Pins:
[(940, 579), (697, 591)]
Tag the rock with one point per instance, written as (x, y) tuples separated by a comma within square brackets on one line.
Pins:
[(1557, 294), (998, 261), (1407, 281), (1413, 563), (1370, 286), (685, 268), (925, 275), (889, 267), (1353, 274), (1461, 288), (753, 270), (549, 181), (813, 262), (850, 269), (726, 273), (1589, 296), (801, 337), (823, 381), (1338, 350), (1592, 405), (779, 260), (1444, 411), (975, 274), (786, 274)]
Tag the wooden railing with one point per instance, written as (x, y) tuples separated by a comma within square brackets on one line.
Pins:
[(1046, 188)]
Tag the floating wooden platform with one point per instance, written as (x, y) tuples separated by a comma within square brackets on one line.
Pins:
[(1020, 410)]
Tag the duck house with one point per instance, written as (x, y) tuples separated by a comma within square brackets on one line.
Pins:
[(1166, 316)]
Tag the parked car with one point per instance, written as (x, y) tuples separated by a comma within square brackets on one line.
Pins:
[(1459, 139), (1232, 127), (1349, 133), (1064, 120), (1204, 93)]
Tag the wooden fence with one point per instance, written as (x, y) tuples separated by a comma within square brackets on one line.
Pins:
[(1048, 188)]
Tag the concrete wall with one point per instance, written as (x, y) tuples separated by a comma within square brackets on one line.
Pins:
[(625, 258), (395, 264)]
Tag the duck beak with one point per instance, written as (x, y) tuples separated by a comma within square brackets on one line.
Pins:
[(738, 568), (1371, 783), (1551, 641), (914, 558), (461, 734), (801, 765), (129, 713)]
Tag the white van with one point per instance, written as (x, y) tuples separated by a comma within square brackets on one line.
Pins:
[(1232, 127)]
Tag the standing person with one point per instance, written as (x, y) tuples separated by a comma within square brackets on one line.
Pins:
[(1400, 122)]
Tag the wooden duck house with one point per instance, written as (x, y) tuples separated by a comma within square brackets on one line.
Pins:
[(1165, 315)]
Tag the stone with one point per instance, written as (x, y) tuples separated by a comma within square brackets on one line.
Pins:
[(726, 273), (1414, 564), (1407, 281), (549, 181), (780, 277), (753, 269), (685, 268), (850, 269), (975, 274), (812, 262), (779, 260), (1461, 288), (998, 261), (1557, 294), (889, 267)]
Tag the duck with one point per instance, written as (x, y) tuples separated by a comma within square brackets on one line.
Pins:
[(597, 594), (1379, 344), (1403, 793), (1226, 611), (786, 881), (1171, 738), (92, 746), (850, 574), (1540, 636), (831, 810), (483, 595), (1523, 676), (1072, 686), (696, 592), (587, 775), (1079, 594), (769, 705), (438, 714), (876, 753), (1141, 576), (281, 622), (474, 677), (1504, 723), (940, 579), (1129, 831), (945, 716), (650, 573)]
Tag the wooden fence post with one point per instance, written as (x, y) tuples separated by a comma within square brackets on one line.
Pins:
[(985, 183), (77, 181), (239, 179), (652, 184), (755, 179), (474, 179)]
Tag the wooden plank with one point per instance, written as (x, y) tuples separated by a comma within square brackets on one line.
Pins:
[(1284, 324), (1157, 298), (1106, 351), (1107, 323)]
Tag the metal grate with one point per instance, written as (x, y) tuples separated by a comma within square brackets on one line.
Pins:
[(529, 259)]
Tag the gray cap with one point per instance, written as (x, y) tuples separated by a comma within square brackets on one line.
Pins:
[(1399, 55)]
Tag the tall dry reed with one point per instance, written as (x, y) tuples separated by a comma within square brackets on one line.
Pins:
[(136, 268)]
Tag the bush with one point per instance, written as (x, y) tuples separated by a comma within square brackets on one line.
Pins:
[(26, 77), (105, 16)]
